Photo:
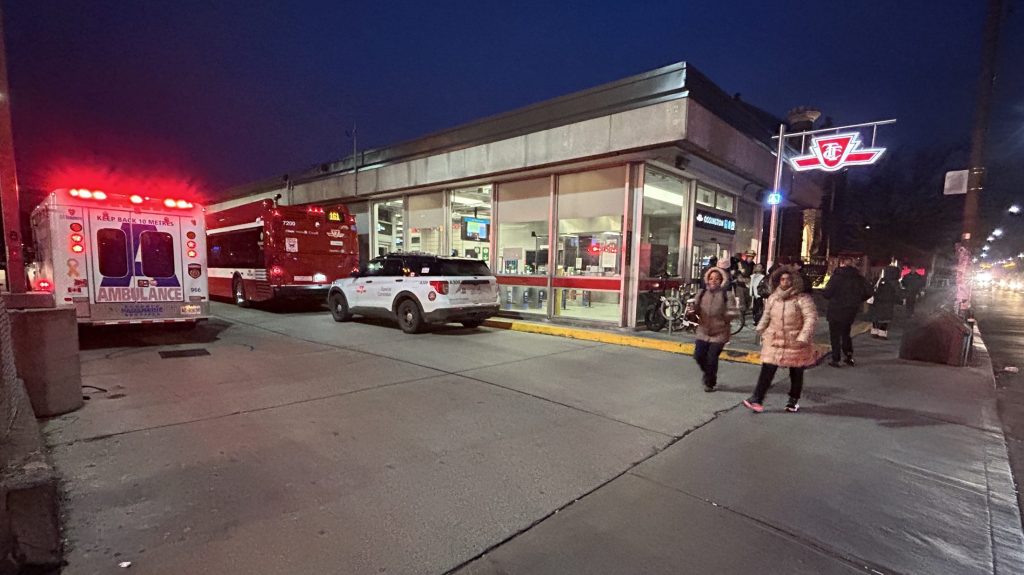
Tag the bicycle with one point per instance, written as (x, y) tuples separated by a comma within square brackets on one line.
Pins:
[(670, 310)]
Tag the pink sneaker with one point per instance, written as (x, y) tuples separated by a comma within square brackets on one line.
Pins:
[(753, 405)]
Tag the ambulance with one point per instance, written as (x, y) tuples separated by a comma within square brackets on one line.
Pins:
[(122, 258)]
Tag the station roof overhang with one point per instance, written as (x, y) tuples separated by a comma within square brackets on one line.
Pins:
[(672, 107)]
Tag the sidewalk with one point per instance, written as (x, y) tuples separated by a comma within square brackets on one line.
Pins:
[(299, 445), (890, 467), (744, 347)]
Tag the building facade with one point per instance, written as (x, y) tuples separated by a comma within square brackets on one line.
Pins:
[(580, 205)]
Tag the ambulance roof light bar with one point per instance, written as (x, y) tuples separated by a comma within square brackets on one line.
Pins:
[(136, 199)]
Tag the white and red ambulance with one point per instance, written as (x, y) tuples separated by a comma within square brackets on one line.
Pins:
[(122, 258)]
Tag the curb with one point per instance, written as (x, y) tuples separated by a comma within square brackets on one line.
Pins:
[(678, 347)]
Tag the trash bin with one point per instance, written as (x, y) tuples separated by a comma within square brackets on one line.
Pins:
[(941, 337)]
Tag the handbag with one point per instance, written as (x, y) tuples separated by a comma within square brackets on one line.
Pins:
[(871, 300)]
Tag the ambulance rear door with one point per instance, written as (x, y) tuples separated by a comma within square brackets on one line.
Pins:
[(137, 265)]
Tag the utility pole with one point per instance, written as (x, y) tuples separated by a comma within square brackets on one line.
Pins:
[(355, 160), (9, 204), (986, 85)]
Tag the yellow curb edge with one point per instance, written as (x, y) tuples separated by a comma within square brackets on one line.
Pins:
[(682, 348)]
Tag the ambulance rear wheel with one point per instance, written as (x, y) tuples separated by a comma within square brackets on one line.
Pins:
[(238, 289), (339, 307)]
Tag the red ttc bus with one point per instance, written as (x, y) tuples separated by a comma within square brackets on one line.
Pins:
[(260, 251)]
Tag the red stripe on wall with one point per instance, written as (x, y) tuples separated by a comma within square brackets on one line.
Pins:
[(536, 281), (606, 284)]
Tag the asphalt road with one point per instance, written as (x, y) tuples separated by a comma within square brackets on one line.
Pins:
[(1000, 316)]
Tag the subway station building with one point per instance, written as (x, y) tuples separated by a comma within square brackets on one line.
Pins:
[(578, 204)]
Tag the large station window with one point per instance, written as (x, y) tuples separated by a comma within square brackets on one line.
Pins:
[(471, 227), (747, 218), (590, 244), (522, 244), (390, 229), (426, 223), (523, 209), (664, 203)]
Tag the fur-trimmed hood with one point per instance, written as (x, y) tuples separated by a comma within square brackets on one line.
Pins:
[(725, 276), (798, 282)]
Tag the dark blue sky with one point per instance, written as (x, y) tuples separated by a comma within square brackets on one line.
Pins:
[(227, 93)]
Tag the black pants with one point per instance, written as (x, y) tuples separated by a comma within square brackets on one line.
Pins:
[(706, 353), (839, 333), (911, 302), (758, 310), (764, 380)]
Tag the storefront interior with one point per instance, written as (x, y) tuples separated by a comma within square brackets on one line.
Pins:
[(557, 243)]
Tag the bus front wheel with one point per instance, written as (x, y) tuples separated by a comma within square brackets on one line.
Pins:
[(239, 290)]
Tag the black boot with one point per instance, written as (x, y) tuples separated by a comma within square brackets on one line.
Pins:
[(849, 361)]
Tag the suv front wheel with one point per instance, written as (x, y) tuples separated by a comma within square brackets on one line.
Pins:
[(339, 307), (409, 317)]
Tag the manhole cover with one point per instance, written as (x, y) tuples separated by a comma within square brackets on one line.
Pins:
[(183, 353)]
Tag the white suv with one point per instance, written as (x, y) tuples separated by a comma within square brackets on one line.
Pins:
[(417, 289)]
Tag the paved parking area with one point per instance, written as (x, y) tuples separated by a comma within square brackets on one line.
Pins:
[(302, 445)]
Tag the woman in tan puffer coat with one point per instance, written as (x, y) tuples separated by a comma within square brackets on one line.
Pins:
[(787, 333)]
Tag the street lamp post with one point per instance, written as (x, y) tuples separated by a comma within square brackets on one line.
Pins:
[(776, 197)]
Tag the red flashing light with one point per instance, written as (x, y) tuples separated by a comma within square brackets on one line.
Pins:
[(76, 227), (84, 194), (77, 238), (314, 210), (99, 195), (191, 244), (192, 253), (73, 193), (77, 248), (440, 287), (44, 285), (191, 235), (170, 203), (136, 199), (182, 204), (277, 271)]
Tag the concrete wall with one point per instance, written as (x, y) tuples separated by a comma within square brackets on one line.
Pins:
[(655, 125), (46, 352)]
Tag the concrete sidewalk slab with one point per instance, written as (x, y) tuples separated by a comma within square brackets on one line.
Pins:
[(638, 526), (414, 478), (652, 390)]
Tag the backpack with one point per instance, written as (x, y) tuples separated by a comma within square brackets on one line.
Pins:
[(764, 289)]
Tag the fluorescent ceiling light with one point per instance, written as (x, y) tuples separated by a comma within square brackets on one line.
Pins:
[(663, 195)]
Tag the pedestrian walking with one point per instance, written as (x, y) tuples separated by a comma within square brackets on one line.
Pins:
[(883, 306), (712, 264), (846, 291), (787, 334), (715, 310), (913, 283), (758, 292), (798, 266)]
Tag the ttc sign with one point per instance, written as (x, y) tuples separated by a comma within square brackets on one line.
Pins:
[(835, 152)]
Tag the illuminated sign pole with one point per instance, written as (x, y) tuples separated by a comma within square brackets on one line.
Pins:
[(831, 150)]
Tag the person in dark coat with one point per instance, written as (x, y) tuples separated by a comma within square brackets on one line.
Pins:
[(846, 291), (712, 264), (913, 283), (798, 267), (883, 306)]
